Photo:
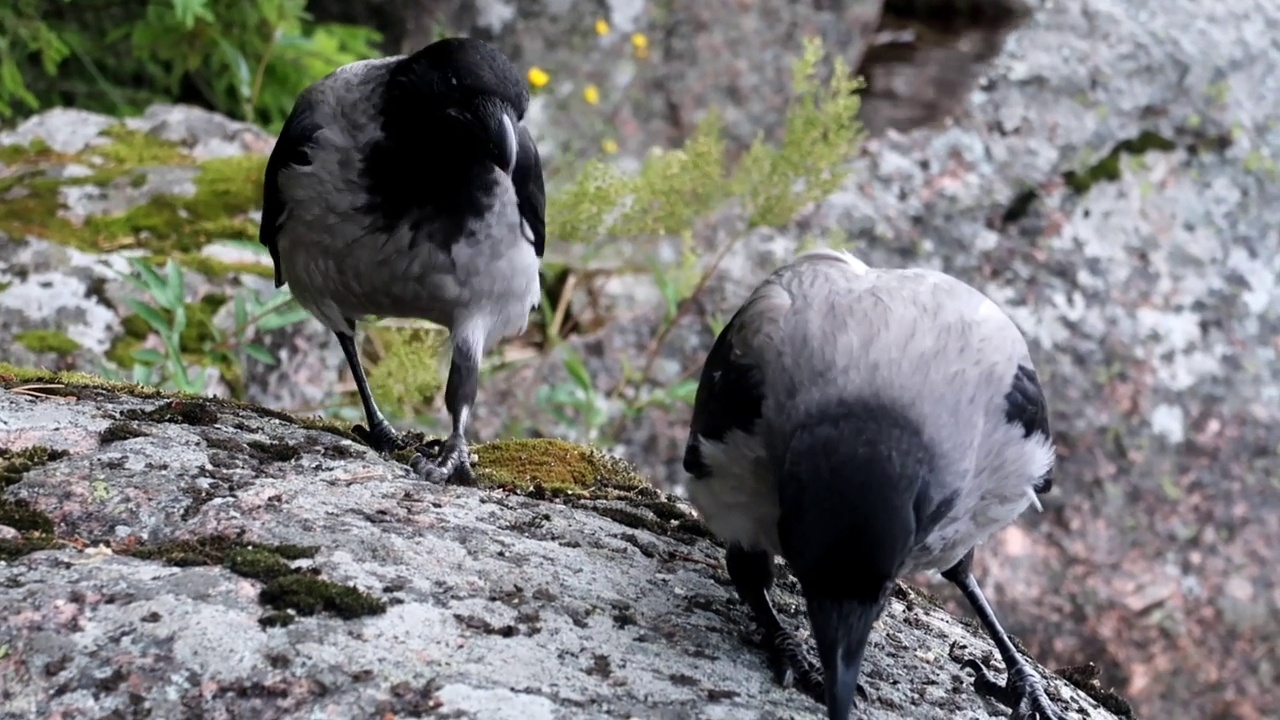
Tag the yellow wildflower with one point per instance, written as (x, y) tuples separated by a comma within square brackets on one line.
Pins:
[(591, 94), (640, 42), (602, 27), (609, 145), (538, 77)]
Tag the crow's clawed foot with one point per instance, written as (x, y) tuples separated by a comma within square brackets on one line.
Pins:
[(1022, 692), (791, 666), (382, 438), (444, 461)]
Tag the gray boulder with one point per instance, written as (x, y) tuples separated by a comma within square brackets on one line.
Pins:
[(188, 557)]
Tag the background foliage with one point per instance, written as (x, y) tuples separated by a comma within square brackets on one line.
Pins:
[(249, 59), (245, 58)]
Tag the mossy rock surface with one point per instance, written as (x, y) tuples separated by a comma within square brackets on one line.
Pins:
[(287, 590), (35, 529), (556, 467), (47, 341), (380, 574), (553, 469), (172, 220)]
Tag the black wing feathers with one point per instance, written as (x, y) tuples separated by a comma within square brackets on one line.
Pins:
[(299, 130), (531, 195), (729, 397), (1025, 405)]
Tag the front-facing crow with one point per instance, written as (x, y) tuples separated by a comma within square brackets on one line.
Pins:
[(407, 187)]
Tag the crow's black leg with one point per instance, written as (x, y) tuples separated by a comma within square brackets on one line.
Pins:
[(1022, 690), (379, 435), (453, 459), (752, 574)]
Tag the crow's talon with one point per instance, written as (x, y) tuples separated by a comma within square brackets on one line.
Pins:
[(382, 438), (792, 667), (1024, 695), (441, 462)]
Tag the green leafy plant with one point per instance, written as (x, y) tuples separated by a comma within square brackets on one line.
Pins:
[(673, 189), (245, 58), (164, 309), (23, 35), (576, 403)]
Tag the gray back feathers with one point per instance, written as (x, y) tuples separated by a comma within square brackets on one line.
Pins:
[(826, 327)]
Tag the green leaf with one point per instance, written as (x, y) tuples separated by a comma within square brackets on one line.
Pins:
[(241, 313), (684, 391), (175, 285), (670, 293), (151, 281), (239, 67), (281, 319), (151, 315), (577, 370), (142, 374), (148, 356), (261, 354), (189, 11)]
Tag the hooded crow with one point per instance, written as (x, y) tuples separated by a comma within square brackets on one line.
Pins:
[(406, 187), (865, 423)]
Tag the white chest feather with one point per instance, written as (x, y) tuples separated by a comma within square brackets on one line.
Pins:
[(739, 499)]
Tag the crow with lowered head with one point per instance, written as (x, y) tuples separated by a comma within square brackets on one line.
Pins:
[(407, 187), (865, 423)]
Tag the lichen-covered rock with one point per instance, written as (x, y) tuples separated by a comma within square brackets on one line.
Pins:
[(1110, 178), (83, 193), (183, 557)]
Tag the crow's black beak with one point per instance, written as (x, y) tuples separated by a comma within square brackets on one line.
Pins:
[(496, 127), (500, 129), (841, 629), (506, 144)]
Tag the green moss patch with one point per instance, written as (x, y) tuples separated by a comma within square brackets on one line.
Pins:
[(309, 595), (72, 383), (553, 469), (47, 341), (274, 451), (37, 152), (35, 527), (171, 226), (134, 148), (1108, 168), (262, 452), (287, 590)]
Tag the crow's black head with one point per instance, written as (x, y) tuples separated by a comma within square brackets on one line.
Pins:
[(461, 97), (449, 114), (458, 70), (849, 496)]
